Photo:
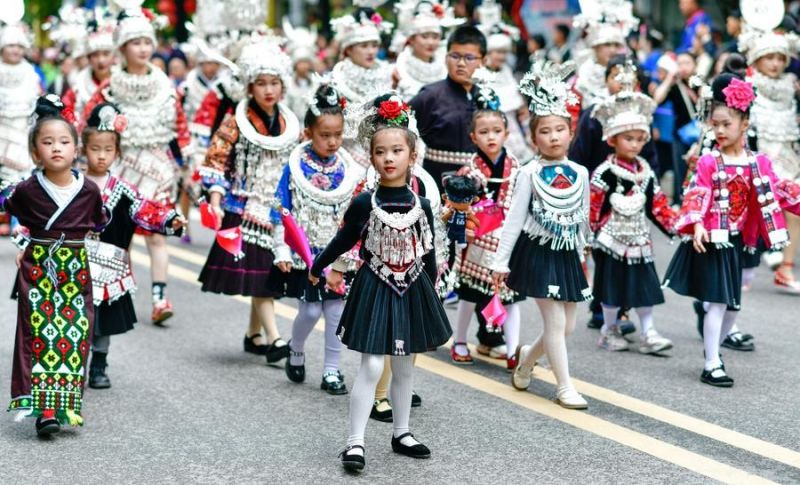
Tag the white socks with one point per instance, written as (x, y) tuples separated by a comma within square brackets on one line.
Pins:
[(363, 393), (645, 314), (559, 322), (717, 325), (511, 328), (307, 316), (610, 314)]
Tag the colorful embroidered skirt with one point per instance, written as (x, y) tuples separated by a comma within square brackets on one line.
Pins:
[(53, 333)]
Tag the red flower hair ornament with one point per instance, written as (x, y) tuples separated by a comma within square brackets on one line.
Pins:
[(739, 95), (394, 111)]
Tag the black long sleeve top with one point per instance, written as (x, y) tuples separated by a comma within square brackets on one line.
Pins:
[(354, 226)]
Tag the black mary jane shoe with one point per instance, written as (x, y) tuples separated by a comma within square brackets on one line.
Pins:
[(251, 347), (384, 416), (295, 373), (416, 401), (47, 426), (596, 321), (716, 377), (416, 451), (353, 462), (736, 341), (275, 353), (333, 383)]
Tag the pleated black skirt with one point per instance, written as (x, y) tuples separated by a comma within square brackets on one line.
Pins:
[(539, 271), (252, 275), (376, 320), (617, 283), (714, 276), (116, 317)]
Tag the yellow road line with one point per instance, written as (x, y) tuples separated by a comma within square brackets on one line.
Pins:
[(659, 413), (600, 427)]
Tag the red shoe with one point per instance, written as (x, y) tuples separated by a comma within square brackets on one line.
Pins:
[(162, 311), (459, 359), (511, 363), (784, 283)]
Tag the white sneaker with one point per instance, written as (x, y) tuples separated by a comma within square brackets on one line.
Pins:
[(522, 375), (570, 399), (613, 342), (652, 343)]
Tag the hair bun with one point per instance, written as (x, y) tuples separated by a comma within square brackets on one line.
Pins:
[(328, 97), (735, 64), (49, 106), (720, 83), (105, 117)]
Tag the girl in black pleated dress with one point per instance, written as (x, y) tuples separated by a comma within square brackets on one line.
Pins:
[(392, 308)]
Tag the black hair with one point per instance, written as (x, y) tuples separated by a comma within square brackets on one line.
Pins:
[(735, 13), (533, 123), (487, 103), (380, 124), (328, 101), (93, 123), (616, 61), (49, 108), (460, 188), (540, 40), (564, 29), (468, 34), (718, 96), (735, 64)]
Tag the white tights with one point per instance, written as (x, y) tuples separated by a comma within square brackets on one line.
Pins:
[(717, 324), (363, 392), (307, 316), (510, 326), (559, 322)]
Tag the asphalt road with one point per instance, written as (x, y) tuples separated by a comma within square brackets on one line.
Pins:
[(189, 406)]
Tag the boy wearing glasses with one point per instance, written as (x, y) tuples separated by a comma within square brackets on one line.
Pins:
[(444, 111)]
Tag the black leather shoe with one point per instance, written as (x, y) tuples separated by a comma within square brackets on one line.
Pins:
[(417, 451), (416, 401), (716, 377), (353, 462), (276, 353), (253, 348), (385, 415), (295, 373), (98, 378), (701, 316), (333, 383), (736, 341), (596, 321), (47, 426)]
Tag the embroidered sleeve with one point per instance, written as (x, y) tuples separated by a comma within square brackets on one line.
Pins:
[(787, 194), (6, 203), (429, 259), (182, 128), (148, 214), (97, 98), (658, 208), (215, 164), (284, 194), (101, 216), (69, 101), (697, 198), (515, 220), (598, 194)]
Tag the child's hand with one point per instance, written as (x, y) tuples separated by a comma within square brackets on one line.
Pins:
[(179, 223), (499, 278), (470, 234), (334, 280), (284, 266), (313, 279), (18, 259), (700, 236)]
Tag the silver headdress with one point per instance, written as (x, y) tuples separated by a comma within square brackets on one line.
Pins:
[(758, 36), (628, 109), (372, 117), (332, 98), (547, 88), (350, 30), (134, 22), (422, 16), (487, 98), (263, 55), (13, 31), (69, 29), (606, 21), (302, 44), (499, 35)]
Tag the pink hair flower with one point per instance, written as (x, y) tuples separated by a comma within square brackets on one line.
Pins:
[(376, 19), (739, 95), (120, 123)]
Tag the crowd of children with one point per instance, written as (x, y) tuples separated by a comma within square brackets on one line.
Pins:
[(406, 185)]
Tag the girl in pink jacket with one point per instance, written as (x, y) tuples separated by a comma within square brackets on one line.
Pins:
[(734, 199)]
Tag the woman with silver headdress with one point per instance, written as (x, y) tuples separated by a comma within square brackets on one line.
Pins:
[(157, 138), (241, 172)]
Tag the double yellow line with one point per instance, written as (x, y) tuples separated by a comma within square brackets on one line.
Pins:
[(638, 441)]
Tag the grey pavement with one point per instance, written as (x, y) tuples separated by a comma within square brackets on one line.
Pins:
[(189, 406)]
